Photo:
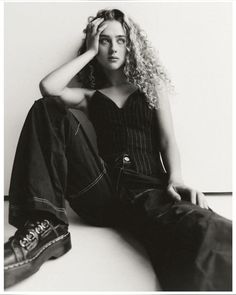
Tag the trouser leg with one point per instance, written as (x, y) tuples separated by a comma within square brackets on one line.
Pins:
[(54, 160), (190, 247)]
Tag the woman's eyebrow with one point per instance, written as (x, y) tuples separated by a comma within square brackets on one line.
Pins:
[(117, 36), (123, 36)]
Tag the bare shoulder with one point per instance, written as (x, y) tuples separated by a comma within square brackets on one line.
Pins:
[(163, 93)]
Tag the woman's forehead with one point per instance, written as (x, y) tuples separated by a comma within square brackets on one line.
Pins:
[(114, 28)]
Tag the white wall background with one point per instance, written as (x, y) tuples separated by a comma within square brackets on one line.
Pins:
[(194, 41)]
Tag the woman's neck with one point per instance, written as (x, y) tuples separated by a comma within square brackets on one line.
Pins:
[(115, 78)]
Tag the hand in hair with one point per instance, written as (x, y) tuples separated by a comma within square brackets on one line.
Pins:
[(93, 31)]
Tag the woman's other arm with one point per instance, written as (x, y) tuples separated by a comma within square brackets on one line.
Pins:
[(170, 155)]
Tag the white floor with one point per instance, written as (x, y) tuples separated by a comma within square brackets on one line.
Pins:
[(101, 260)]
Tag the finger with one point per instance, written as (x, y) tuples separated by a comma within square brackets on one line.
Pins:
[(101, 28), (193, 197), (96, 23), (200, 200), (92, 24), (172, 192), (206, 206), (89, 28), (98, 20)]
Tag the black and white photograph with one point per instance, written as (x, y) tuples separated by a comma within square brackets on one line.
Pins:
[(118, 147)]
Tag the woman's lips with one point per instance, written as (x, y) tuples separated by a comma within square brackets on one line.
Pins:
[(113, 58)]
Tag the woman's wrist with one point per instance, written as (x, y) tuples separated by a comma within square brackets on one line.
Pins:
[(91, 52), (175, 179)]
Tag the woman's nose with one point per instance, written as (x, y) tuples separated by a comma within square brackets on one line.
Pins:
[(113, 50), (113, 47)]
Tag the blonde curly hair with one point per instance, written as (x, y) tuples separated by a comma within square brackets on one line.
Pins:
[(142, 66)]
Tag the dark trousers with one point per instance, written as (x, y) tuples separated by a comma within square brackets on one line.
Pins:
[(189, 247)]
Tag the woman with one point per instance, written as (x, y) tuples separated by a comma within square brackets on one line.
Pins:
[(123, 183)]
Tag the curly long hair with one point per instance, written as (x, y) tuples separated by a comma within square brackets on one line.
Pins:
[(142, 66)]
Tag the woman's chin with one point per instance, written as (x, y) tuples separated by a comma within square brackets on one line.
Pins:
[(113, 66)]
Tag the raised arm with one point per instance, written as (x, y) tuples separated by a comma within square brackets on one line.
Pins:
[(55, 83), (170, 155)]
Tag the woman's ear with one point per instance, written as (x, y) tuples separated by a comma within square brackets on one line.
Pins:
[(128, 49)]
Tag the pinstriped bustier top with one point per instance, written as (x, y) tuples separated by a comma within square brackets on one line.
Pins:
[(130, 130)]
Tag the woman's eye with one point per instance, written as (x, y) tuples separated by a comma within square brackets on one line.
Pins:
[(104, 41), (121, 41)]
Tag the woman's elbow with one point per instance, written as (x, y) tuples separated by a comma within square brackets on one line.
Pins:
[(46, 90), (43, 88)]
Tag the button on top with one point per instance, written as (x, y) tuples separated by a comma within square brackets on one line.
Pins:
[(126, 159)]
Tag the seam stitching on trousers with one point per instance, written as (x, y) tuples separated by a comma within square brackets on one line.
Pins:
[(77, 130), (50, 204), (186, 214), (140, 194), (93, 183)]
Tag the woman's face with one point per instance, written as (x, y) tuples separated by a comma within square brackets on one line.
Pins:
[(112, 46)]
